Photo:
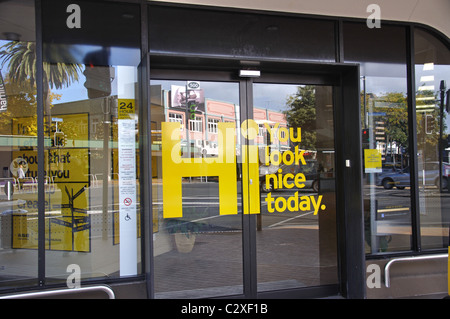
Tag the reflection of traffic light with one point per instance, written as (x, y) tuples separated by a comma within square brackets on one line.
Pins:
[(98, 73), (192, 107), (365, 134), (98, 80)]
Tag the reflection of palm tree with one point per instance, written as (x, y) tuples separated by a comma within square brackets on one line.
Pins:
[(21, 57)]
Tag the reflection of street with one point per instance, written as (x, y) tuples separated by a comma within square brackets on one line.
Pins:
[(391, 216), (395, 204), (287, 247), (201, 202)]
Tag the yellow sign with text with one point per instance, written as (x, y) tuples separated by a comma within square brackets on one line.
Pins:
[(372, 161), (125, 108), (66, 176), (175, 167)]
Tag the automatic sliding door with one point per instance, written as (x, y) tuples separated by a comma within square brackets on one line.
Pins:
[(296, 230), (197, 211)]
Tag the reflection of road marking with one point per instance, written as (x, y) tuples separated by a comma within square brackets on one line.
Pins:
[(392, 210), (406, 230), (289, 219)]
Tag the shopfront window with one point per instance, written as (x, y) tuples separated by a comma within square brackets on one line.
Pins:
[(91, 170), (18, 146), (432, 68), (385, 139)]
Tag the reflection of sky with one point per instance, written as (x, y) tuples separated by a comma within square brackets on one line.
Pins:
[(381, 78), (272, 97), (76, 53)]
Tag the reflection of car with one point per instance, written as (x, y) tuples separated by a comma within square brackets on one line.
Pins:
[(393, 177), (428, 176), (309, 170)]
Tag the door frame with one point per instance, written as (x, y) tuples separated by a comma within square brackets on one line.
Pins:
[(349, 197)]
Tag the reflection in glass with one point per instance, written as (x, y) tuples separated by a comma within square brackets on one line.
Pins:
[(18, 149), (296, 230), (432, 71), (385, 138), (91, 158), (386, 168), (83, 161), (197, 246)]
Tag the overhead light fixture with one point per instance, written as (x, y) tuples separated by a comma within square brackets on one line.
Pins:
[(427, 78), (428, 66), (426, 88), (249, 73)]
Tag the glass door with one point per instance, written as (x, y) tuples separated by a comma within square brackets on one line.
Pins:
[(243, 186), (197, 188), (296, 228)]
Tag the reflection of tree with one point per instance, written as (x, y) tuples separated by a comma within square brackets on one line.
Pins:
[(427, 104), (396, 120), (301, 112), (21, 104), (394, 108), (20, 58)]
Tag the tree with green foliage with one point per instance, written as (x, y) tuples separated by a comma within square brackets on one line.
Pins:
[(301, 112)]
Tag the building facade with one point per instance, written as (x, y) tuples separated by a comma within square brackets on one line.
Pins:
[(172, 150)]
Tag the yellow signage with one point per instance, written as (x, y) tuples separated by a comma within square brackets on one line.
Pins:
[(175, 167), (224, 166), (372, 161), (125, 108), (66, 175)]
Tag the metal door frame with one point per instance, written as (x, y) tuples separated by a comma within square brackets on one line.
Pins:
[(349, 202)]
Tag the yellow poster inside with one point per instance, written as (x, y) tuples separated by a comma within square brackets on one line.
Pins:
[(66, 176), (372, 161)]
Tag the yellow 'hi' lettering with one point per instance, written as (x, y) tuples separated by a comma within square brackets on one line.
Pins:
[(174, 168)]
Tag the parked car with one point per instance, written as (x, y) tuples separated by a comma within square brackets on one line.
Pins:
[(400, 178)]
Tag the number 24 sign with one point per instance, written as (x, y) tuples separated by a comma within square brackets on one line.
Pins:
[(125, 108)]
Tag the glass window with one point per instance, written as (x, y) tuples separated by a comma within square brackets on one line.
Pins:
[(212, 125), (18, 146), (432, 68), (385, 141), (196, 125), (92, 146)]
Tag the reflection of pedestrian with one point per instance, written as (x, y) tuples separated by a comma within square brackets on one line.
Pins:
[(20, 176)]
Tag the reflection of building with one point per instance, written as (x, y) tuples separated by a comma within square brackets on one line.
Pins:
[(202, 128)]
